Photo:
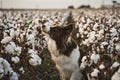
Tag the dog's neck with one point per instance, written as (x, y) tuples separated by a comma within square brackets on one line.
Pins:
[(57, 47)]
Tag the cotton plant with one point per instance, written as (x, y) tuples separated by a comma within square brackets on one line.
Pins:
[(34, 58), (6, 69)]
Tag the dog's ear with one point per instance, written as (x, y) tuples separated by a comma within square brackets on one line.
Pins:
[(69, 23), (68, 18), (68, 28)]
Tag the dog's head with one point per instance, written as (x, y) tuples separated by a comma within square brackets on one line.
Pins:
[(59, 34)]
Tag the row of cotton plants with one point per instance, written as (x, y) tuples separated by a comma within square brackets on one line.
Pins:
[(96, 31)]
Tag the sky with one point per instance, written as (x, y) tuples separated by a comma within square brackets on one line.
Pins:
[(48, 4)]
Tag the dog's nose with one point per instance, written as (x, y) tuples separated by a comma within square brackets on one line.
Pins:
[(43, 26)]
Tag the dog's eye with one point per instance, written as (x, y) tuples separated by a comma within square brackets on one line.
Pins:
[(54, 30)]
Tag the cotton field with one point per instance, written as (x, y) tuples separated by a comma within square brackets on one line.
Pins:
[(23, 47)]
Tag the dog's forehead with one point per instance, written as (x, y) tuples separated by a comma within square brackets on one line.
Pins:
[(57, 28)]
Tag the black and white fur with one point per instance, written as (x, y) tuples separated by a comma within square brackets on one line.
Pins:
[(64, 51)]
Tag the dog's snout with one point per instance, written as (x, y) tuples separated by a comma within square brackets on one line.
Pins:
[(43, 26)]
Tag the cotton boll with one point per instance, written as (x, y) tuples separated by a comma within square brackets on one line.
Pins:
[(85, 42), (12, 33), (9, 49), (118, 70), (1, 66), (7, 67), (18, 50), (95, 57), (31, 51), (83, 19), (5, 34), (14, 76), (17, 33), (30, 38), (101, 32), (83, 64), (1, 60), (81, 30), (104, 43), (6, 63), (35, 60), (6, 40), (15, 59), (115, 64), (8, 70), (13, 45), (95, 26), (22, 70), (117, 47), (1, 73), (6, 26), (91, 36), (77, 35), (102, 66), (92, 39), (85, 32), (102, 47), (116, 75), (95, 73), (113, 32), (85, 26), (1, 70), (89, 21)]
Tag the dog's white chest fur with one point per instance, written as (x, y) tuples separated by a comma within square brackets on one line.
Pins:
[(65, 64)]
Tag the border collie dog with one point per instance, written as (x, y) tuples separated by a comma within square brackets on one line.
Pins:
[(64, 51)]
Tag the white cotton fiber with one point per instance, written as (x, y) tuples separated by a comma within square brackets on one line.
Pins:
[(6, 40), (35, 60), (116, 75), (115, 64), (14, 76), (15, 59), (113, 32), (9, 49), (95, 57), (95, 73)]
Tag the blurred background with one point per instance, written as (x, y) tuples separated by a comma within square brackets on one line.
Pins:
[(58, 4)]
